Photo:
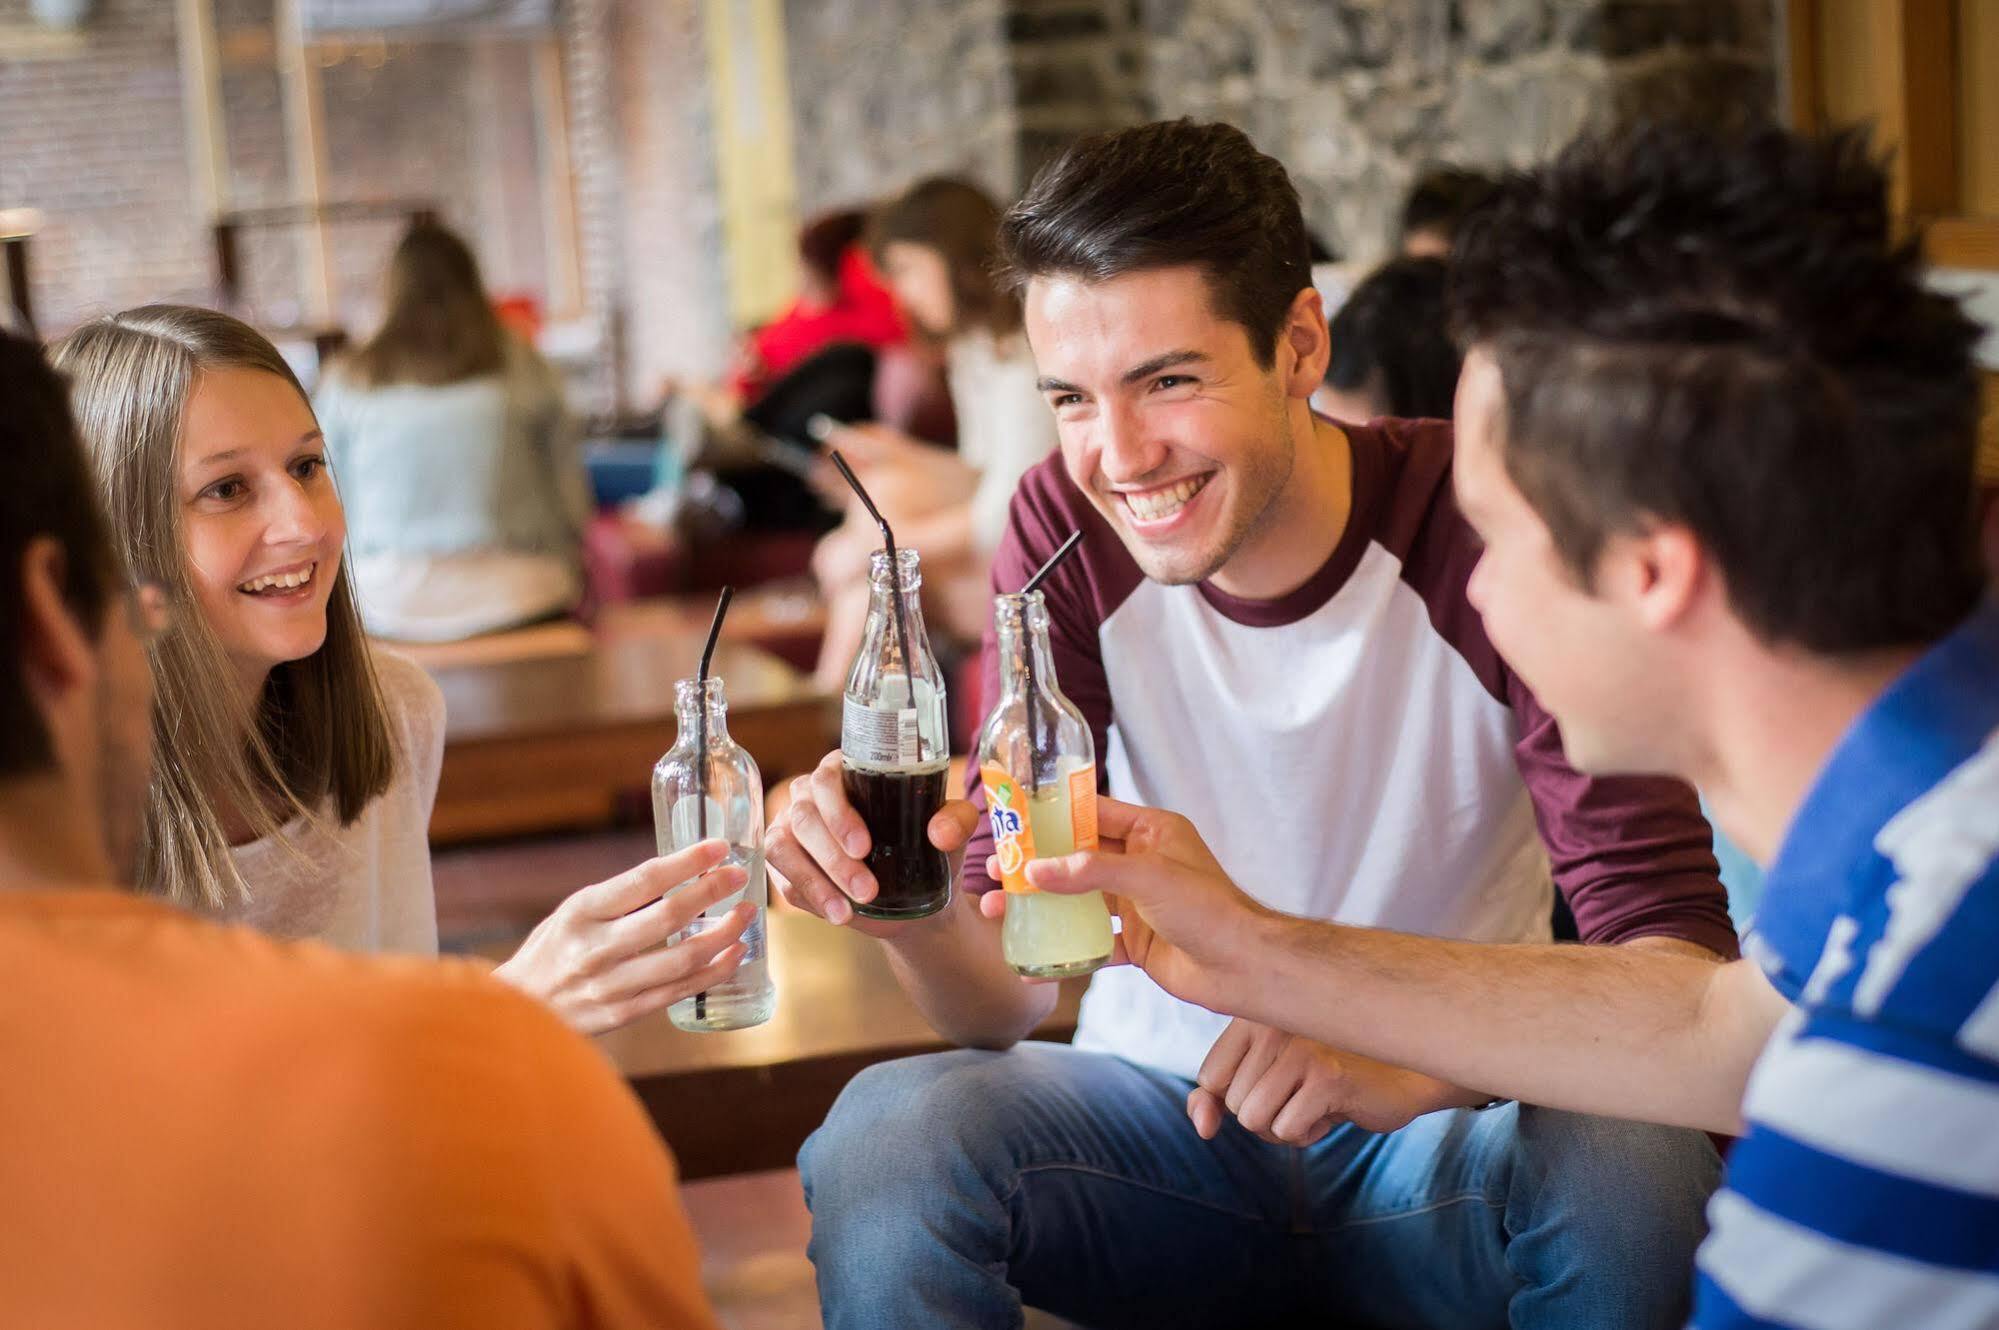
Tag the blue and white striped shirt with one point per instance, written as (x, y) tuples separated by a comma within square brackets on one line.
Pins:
[(1866, 1193)]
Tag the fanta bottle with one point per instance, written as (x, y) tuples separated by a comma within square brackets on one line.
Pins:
[(1038, 764)]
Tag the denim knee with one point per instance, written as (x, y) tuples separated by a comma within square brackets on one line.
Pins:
[(1625, 1182), (915, 1126)]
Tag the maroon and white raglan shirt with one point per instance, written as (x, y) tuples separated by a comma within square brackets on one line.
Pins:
[(1353, 751)]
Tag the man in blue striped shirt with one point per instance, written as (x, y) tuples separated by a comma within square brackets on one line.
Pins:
[(1717, 436)]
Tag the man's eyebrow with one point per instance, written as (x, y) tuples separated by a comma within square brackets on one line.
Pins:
[(1136, 374), (1147, 368)]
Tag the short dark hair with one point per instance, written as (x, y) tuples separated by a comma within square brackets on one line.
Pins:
[(1394, 332), (1442, 198), (1167, 195), (48, 491), (1718, 330), (825, 240)]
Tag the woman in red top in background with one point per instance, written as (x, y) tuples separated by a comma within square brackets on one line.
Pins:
[(841, 298), (841, 301)]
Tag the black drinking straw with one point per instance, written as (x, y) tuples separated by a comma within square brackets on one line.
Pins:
[(1033, 584), (701, 749), (894, 588)]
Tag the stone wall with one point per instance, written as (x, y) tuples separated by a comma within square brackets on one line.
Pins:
[(1355, 96), (886, 91)]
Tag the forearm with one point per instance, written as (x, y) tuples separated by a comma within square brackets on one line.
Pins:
[(952, 969), (1648, 1032), (945, 534)]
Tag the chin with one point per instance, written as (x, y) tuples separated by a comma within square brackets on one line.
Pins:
[(1174, 567)]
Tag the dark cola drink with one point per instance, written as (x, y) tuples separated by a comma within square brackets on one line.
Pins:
[(893, 746), (912, 876)]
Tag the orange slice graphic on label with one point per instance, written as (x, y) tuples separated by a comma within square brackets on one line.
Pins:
[(1011, 858)]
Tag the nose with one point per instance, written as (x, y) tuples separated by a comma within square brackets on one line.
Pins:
[(1129, 452), (293, 516)]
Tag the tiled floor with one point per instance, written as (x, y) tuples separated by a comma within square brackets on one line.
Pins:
[(753, 1229)]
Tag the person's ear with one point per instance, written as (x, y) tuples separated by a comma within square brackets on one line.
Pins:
[(1661, 572), (1303, 346), (58, 656)]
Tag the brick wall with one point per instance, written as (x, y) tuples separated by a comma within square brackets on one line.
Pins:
[(94, 137), (672, 293)]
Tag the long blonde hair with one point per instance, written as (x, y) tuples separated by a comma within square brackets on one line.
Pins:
[(320, 734)]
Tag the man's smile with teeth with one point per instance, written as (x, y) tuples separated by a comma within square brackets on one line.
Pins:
[(284, 581), (1158, 504)]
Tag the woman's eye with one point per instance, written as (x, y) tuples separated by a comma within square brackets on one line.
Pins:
[(305, 468), (224, 490)]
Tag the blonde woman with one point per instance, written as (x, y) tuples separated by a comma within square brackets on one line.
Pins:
[(297, 766)]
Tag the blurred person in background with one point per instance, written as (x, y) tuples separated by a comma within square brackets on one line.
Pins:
[(459, 466), (1392, 353), (300, 761), (937, 245), (1437, 206), (210, 1128), (840, 349)]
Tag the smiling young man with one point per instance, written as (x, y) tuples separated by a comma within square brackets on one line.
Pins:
[(1266, 626), (1717, 435)]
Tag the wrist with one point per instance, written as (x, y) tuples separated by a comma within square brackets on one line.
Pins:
[(1244, 976)]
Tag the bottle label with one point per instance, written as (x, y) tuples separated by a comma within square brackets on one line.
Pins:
[(878, 736), (1060, 821)]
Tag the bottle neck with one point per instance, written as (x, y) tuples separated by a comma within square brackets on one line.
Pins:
[(688, 709), (1024, 653)]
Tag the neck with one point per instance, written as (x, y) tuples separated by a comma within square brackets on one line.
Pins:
[(1772, 728), (49, 836), (250, 680), (1305, 521)]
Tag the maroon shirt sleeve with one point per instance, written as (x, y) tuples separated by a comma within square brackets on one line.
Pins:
[(1632, 854), (1080, 594)]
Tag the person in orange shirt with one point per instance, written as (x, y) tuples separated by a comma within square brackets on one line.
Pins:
[(208, 1128)]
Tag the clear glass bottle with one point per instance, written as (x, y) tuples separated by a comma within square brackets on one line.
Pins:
[(895, 746), (732, 810), (1038, 764)]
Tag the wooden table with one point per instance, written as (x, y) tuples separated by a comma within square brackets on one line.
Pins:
[(747, 1099), (539, 744)]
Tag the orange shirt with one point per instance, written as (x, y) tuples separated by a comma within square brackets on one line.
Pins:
[(202, 1127)]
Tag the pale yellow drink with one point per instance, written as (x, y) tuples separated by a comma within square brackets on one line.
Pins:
[(1048, 935), (1037, 763)]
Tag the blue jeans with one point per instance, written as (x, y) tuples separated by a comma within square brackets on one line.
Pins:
[(951, 1189)]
